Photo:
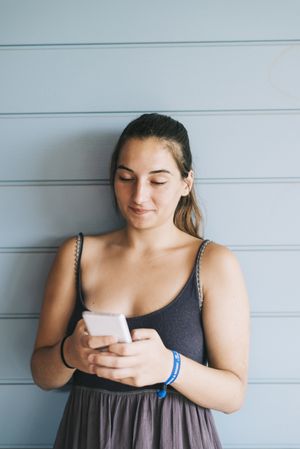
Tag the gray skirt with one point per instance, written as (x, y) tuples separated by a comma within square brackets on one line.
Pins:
[(102, 419)]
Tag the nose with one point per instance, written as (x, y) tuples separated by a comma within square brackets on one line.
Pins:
[(140, 192)]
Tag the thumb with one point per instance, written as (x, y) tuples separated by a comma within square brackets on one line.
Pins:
[(142, 334)]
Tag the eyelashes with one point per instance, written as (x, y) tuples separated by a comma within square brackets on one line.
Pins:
[(132, 179)]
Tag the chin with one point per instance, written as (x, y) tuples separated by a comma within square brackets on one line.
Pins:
[(140, 223)]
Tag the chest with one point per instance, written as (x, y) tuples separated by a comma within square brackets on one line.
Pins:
[(135, 287)]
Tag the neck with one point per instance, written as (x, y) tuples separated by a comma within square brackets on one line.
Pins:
[(146, 240)]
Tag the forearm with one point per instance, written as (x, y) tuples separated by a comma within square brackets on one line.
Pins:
[(209, 387), (48, 370)]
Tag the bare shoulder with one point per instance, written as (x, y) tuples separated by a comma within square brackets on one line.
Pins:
[(95, 245), (62, 270), (92, 239), (102, 239), (64, 258), (216, 254), (67, 247), (219, 267)]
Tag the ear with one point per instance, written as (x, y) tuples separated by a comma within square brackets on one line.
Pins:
[(188, 181)]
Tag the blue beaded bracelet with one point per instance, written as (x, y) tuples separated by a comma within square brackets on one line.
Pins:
[(161, 393)]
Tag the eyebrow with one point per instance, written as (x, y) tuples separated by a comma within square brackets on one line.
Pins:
[(123, 167)]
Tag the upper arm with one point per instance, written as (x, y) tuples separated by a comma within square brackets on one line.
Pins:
[(59, 296), (226, 315)]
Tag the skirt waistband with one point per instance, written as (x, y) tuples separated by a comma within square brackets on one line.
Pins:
[(122, 393)]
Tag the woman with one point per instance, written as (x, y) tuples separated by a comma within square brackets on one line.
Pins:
[(150, 271)]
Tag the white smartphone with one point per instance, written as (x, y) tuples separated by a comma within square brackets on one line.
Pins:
[(99, 324)]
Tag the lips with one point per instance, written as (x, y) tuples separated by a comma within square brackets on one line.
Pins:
[(139, 211)]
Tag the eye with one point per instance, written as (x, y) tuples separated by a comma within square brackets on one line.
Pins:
[(125, 179), (158, 183)]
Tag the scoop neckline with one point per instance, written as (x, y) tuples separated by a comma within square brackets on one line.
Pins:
[(169, 304)]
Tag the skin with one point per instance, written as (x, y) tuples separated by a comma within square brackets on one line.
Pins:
[(136, 270)]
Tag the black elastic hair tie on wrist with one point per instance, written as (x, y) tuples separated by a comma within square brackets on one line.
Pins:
[(62, 353)]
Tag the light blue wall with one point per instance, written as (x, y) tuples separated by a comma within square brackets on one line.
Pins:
[(72, 75)]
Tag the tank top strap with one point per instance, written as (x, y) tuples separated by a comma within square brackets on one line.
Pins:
[(78, 252), (198, 268)]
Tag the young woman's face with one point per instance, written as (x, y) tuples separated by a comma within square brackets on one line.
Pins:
[(148, 184)]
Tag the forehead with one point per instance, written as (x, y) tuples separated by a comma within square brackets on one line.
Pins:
[(150, 153)]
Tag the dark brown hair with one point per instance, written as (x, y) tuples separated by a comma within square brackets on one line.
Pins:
[(187, 216)]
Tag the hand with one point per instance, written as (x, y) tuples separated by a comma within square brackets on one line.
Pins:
[(80, 345), (145, 361)]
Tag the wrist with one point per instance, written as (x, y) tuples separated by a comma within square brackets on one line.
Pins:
[(162, 392), (168, 365), (65, 353), (180, 375)]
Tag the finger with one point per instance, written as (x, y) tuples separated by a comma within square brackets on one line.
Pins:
[(127, 381), (112, 361), (112, 373), (127, 349), (104, 340), (84, 340), (143, 333), (81, 325)]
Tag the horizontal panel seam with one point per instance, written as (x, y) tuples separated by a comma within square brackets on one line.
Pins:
[(187, 112), (106, 182), (149, 44)]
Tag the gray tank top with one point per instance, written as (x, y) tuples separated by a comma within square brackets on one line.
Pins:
[(179, 324)]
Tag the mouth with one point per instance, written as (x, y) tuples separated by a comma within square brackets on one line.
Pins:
[(139, 211)]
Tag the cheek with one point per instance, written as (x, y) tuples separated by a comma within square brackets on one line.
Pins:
[(121, 191), (169, 196)]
